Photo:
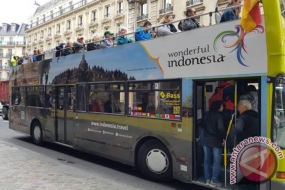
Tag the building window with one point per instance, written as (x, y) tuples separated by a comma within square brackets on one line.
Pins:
[(107, 11), (51, 14), (80, 19), (93, 16), (2, 39), (167, 4), (42, 34), (68, 25), (11, 39), (0, 75), (35, 37), (10, 52), (120, 7), (0, 63), (49, 31), (143, 12), (14, 28), (118, 28), (5, 28), (58, 28)]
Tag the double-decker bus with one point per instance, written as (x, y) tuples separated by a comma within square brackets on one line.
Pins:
[(141, 103)]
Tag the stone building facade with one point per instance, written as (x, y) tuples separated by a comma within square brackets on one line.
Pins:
[(12, 41)]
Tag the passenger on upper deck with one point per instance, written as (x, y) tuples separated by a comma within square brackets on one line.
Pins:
[(167, 29), (190, 23), (79, 45), (122, 39), (143, 33), (68, 49), (59, 49), (95, 45), (40, 55), (231, 14), (35, 55), (27, 59), (107, 42)]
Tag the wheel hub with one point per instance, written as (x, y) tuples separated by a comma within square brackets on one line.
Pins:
[(37, 133), (157, 161)]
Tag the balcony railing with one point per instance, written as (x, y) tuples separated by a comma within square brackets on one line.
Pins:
[(166, 10), (193, 2), (107, 15), (80, 24), (2, 55), (12, 43), (9, 54), (120, 11), (59, 13), (142, 17), (93, 20), (4, 68)]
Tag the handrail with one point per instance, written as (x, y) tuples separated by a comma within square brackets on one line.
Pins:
[(51, 53)]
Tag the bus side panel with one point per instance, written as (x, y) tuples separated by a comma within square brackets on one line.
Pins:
[(18, 119)]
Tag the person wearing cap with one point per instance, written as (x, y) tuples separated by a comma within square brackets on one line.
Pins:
[(143, 33), (190, 23), (79, 45), (122, 39), (107, 42), (95, 45)]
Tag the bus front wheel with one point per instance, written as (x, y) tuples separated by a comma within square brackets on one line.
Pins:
[(37, 133), (154, 161)]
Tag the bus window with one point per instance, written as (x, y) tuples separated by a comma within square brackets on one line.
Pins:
[(81, 97), (107, 98), (35, 96), (158, 99), (16, 96)]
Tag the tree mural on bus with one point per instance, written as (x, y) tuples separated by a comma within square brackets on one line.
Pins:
[(85, 73)]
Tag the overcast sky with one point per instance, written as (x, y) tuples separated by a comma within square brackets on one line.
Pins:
[(18, 11)]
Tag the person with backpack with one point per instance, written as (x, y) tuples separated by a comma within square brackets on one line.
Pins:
[(214, 136)]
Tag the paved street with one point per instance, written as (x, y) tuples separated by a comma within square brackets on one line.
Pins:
[(25, 166)]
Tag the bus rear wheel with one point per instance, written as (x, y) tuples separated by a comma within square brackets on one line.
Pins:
[(37, 133), (154, 161), (5, 113)]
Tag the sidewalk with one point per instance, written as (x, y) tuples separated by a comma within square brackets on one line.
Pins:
[(23, 169)]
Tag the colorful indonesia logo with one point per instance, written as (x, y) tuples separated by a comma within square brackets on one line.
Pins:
[(237, 45), (254, 159)]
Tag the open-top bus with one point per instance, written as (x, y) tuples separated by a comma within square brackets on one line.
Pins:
[(141, 103)]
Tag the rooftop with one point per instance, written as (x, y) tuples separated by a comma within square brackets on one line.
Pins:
[(12, 29)]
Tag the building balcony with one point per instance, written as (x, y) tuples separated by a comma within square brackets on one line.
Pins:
[(9, 55), (142, 17), (2, 55), (4, 68), (106, 16), (120, 11), (193, 2), (166, 10), (48, 37), (12, 43), (93, 22)]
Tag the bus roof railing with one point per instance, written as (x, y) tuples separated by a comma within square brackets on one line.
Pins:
[(51, 53)]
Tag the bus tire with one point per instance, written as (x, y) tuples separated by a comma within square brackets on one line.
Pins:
[(154, 161), (37, 133), (4, 113)]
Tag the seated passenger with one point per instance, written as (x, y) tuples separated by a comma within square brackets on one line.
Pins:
[(214, 140), (231, 14), (27, 58), (108, 105), (190, 23), (107, 42), (68, 49), (59, 49), (78, 46), (122, 39), (40, 55), (143, 33), (167, 29), (247, 124), (35, 56), (99, 107), (94, 45)]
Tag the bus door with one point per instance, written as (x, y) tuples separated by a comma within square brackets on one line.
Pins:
[(64, 114), (199, 109)]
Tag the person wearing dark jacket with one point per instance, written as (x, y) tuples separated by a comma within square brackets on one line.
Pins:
[(247, 124), (214, 139), (95, 45), (190, 23), (68, 49), (59, 49), (231, 14)]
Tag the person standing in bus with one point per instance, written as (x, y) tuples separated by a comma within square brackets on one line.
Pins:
[(247, 124), (231, 14), (251, 96), (143, 33), (214, 140)]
